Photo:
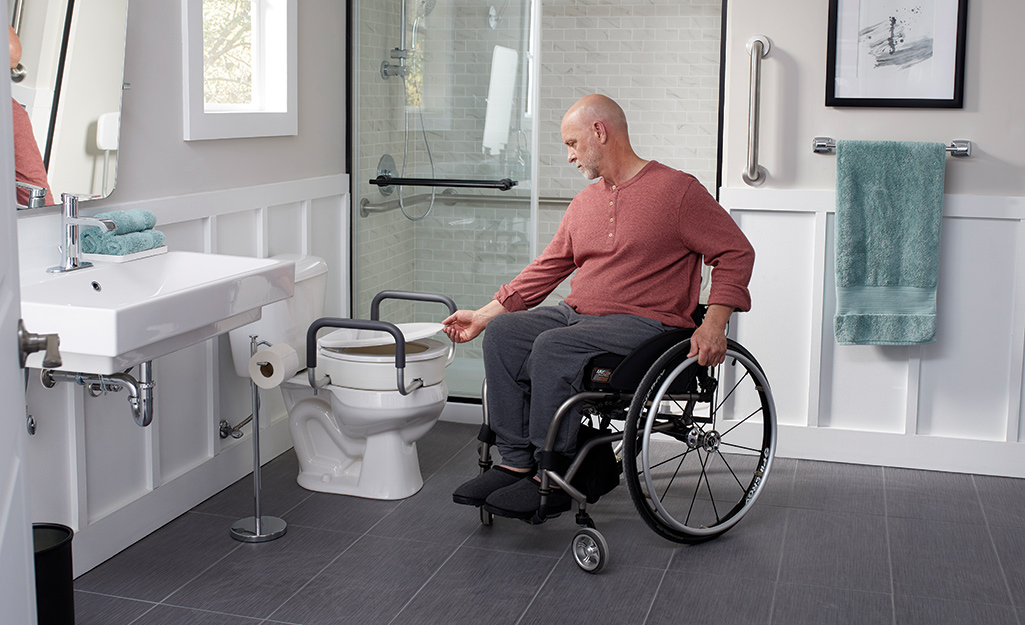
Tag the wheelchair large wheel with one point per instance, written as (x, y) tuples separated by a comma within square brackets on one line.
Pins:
[(698, 443)]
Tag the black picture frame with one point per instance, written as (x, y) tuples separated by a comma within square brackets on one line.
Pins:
[(905, 70)]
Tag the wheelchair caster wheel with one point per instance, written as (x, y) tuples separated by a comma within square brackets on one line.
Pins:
[(590, 550), (486, 518)]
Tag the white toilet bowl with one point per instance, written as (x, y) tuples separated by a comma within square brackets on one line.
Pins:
[(362, 441)]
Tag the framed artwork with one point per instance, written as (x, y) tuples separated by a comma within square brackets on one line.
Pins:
[(896, 53)]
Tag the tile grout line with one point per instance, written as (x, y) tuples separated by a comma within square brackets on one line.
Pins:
[(782, 553), (551, 572), (996, 552), (889, 550), (658, 587), (432, 576), (200, 574)]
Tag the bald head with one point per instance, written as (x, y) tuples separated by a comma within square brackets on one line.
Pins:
[(595, 133), (598, 108)]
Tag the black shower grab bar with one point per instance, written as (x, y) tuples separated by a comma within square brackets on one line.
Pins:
[(386, 181)]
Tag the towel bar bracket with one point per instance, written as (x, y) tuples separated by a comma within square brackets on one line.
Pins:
[(826, 145)]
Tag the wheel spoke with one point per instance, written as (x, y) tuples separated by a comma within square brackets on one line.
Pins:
[(730, 469), (757, 451), (708, 485), (697, 489), (655, 466), (735, 387), (744, 420), (673, 479)]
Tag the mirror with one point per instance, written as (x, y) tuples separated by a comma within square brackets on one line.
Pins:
[(73, 59)]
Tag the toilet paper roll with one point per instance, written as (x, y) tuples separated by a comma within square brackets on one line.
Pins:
[(271, 366)]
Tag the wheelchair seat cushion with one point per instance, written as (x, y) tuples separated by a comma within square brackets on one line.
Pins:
[(613, 372)]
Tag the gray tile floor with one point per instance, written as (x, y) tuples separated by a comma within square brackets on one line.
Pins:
[(828, 544)]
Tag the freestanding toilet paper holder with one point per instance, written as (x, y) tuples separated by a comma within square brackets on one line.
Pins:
[(257, 528)]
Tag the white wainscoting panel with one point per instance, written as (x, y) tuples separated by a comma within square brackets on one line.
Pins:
[(784, 263), (964, 391), (953, 405)]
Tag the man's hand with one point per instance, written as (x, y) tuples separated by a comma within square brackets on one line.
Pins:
[(465, 325), (708, 342)]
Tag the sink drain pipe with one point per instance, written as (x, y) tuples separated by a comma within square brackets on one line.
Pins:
[(140, 391)]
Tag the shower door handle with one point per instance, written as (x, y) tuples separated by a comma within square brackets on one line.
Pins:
[(503, 185)]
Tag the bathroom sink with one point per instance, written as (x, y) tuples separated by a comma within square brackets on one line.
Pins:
[(112, 316)]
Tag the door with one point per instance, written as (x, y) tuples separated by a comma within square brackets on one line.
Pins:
[(445, 91), (17, 577)]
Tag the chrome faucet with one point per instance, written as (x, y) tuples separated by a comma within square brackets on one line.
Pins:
[(37, 195), (70, 221)]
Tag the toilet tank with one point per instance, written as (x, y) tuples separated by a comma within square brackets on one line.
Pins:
[(286, 321)]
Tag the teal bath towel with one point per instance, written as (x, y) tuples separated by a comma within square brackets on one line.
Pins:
[(132, 220), (125, 222), (122, 244), (889, 203)]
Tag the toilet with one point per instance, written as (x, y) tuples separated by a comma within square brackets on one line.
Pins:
[(357, 436)]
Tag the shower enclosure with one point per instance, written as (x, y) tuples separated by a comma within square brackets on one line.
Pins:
[(444, 95)]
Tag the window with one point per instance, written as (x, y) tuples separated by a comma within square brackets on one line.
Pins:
[(239, 60)]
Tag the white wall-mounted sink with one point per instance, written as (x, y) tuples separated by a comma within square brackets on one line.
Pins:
[(113, 316)]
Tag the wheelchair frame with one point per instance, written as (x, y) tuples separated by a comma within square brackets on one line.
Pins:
[(676, 400)]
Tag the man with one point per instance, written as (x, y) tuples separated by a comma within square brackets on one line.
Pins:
[(28, 162), (636, 239)]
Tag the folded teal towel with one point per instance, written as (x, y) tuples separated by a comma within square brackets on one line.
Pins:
[(122, 244), (889, 204), (132, 220), (125, 222)]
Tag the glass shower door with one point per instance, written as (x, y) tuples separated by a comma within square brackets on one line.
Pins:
[(444, 129)]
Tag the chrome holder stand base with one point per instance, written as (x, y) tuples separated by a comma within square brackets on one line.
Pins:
[(271, 527)]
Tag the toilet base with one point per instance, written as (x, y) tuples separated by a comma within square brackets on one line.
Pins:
[(394, 472), (362, 459)]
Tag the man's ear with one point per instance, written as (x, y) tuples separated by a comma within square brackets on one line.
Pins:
[(600, 132)]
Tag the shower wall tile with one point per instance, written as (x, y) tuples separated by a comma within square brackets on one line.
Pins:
[(659, 59)]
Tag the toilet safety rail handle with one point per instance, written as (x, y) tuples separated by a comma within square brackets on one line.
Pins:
[(375, 325), (375, 308)]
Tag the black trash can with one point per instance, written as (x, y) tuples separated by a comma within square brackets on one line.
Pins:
[(55, 590)]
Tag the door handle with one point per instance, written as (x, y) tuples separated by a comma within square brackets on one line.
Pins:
[(29, 343)]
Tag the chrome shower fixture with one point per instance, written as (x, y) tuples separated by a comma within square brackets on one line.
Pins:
[(401, 53)]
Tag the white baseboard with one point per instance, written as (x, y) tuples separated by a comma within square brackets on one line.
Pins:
[(458, 412)]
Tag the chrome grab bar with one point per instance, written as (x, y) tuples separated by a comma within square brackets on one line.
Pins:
[(758, 47), (450, 197)]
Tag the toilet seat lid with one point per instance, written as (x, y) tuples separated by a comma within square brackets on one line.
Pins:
[(350, 337)]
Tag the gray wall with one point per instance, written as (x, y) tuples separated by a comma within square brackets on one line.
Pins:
[(155, 162)]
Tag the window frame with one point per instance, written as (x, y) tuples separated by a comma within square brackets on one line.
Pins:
[(203, 123)]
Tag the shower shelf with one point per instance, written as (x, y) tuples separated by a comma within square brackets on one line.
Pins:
[(386, 181)]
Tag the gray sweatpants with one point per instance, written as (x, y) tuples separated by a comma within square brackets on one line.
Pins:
[(534, 360)]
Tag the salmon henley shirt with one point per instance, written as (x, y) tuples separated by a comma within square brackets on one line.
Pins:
[(637, 249)]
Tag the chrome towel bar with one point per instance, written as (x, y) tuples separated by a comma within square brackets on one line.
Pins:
[(826, 145)]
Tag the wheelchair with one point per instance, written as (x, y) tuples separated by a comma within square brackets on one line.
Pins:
[(694, 444)]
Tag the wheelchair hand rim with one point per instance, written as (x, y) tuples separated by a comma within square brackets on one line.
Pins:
[(768, 452)]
